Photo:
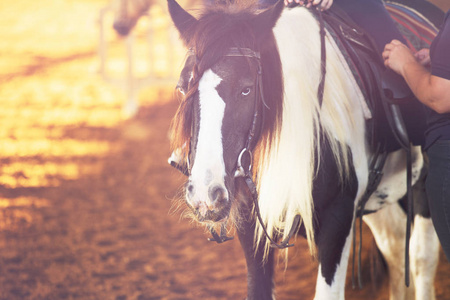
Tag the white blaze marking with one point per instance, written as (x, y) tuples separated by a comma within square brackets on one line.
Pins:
[(209, 166)]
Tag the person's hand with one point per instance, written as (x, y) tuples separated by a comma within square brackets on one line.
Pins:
[(396, 55), (423, 56), (322, 4)]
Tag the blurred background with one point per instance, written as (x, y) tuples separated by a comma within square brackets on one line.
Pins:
[(88, 204)]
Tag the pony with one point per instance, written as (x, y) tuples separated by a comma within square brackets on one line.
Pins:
[(128, 12), (250, 127)]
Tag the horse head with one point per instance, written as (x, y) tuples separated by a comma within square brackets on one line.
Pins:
[(127, 14), (221, 118)]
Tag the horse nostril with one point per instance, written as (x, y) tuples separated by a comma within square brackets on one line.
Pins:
[(217, 194), (190, 189)]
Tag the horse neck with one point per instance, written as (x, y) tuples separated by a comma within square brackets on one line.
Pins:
[(294, 152), (300, 53)]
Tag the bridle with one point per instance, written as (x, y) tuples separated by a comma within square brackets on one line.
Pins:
[(245, 157)]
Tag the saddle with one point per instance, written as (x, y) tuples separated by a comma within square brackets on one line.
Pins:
[(397, 119)]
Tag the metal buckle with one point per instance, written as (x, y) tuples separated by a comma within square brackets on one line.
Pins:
[(240, 171)]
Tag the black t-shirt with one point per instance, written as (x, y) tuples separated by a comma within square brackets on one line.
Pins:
[(439, 124)]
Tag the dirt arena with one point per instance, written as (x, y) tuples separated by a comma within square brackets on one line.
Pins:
[(87, 206)]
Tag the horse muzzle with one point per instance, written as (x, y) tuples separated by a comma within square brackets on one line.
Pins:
[(122, 28), (209, 203)]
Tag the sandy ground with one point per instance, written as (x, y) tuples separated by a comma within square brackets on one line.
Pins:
[(87, 206)]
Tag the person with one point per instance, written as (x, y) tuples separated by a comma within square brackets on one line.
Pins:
[(432, 88)]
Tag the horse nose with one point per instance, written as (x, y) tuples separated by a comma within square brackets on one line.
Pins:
[(217, 194), (121, 28)]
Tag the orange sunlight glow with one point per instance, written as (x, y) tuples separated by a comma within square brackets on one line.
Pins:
[(47, 174), (53, 97), (23, 201), (50, 148)]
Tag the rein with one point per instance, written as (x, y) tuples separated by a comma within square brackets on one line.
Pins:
[(244, 169), (323, 58)]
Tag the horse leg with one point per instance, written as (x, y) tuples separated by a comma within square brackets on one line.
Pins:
[(260, 285), (333, 243), (424, 251), (334, 210), (389, 230), (424, 246)]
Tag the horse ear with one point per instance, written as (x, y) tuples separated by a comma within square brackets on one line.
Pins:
[(265, 21), (183, 21)]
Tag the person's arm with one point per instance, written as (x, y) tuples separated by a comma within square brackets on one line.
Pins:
[(431, 90)]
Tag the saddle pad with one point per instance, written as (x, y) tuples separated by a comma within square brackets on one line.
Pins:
[(417, 30)]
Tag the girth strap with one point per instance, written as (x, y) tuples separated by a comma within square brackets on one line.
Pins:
[(375, 175)]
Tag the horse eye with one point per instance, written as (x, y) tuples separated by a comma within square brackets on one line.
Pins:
[(246, 91)]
